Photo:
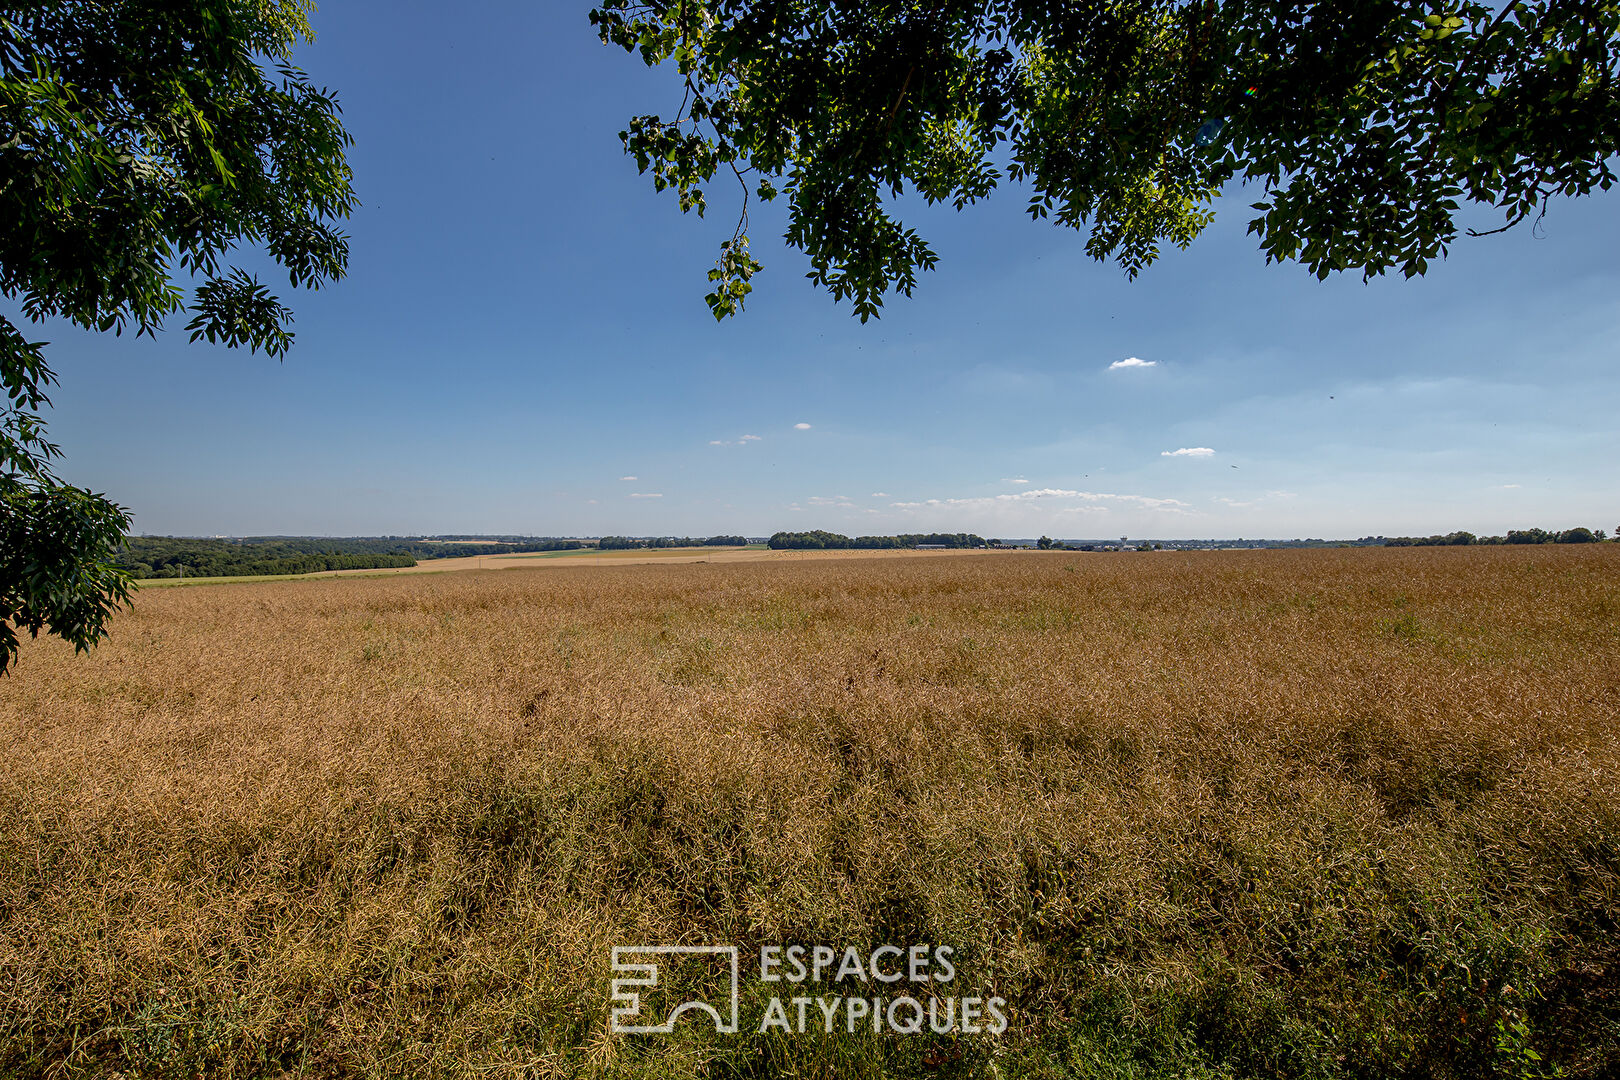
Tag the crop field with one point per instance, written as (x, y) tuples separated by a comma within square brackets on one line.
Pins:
[(1324, 813)]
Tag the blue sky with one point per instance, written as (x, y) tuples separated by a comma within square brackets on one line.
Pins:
[(521, 346)]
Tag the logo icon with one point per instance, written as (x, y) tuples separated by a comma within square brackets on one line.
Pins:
[(640, 968)]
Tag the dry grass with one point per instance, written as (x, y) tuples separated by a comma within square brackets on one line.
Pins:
[(1311, 813)]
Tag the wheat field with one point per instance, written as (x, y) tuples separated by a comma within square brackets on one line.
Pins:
[(1327, 813)]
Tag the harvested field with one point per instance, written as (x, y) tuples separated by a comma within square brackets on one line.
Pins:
[(1330, 813)]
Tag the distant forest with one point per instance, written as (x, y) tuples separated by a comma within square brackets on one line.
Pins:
[(174, 556), (456, 549), (1514, 536), (819, 539), (627, 543)]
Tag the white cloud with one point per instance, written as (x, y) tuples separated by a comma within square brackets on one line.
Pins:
[(1507, 487), (1032, 511), (741, 440), (840, 501), (748, 438), (880, 495), (1188, 451), (626, 478), (1132, 362), (1088, 498), (1014, 480), (801, 426), (646, 494)]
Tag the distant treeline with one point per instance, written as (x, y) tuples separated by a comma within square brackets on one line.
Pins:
[(167, 557), (482, 538), (461, 549), (300, 545), (626, 543), (1514, 536), (173, 556), (420, 547), (819, 539)]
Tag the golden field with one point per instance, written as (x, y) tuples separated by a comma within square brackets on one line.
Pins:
[(1333, 813)]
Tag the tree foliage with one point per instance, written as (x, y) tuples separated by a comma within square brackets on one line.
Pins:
[(173, 556), (1365, 126), (142, 144), (1579, 535), (821, 539), (627, 543)]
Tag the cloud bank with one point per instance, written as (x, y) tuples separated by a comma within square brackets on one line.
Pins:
[(1081, 501)]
